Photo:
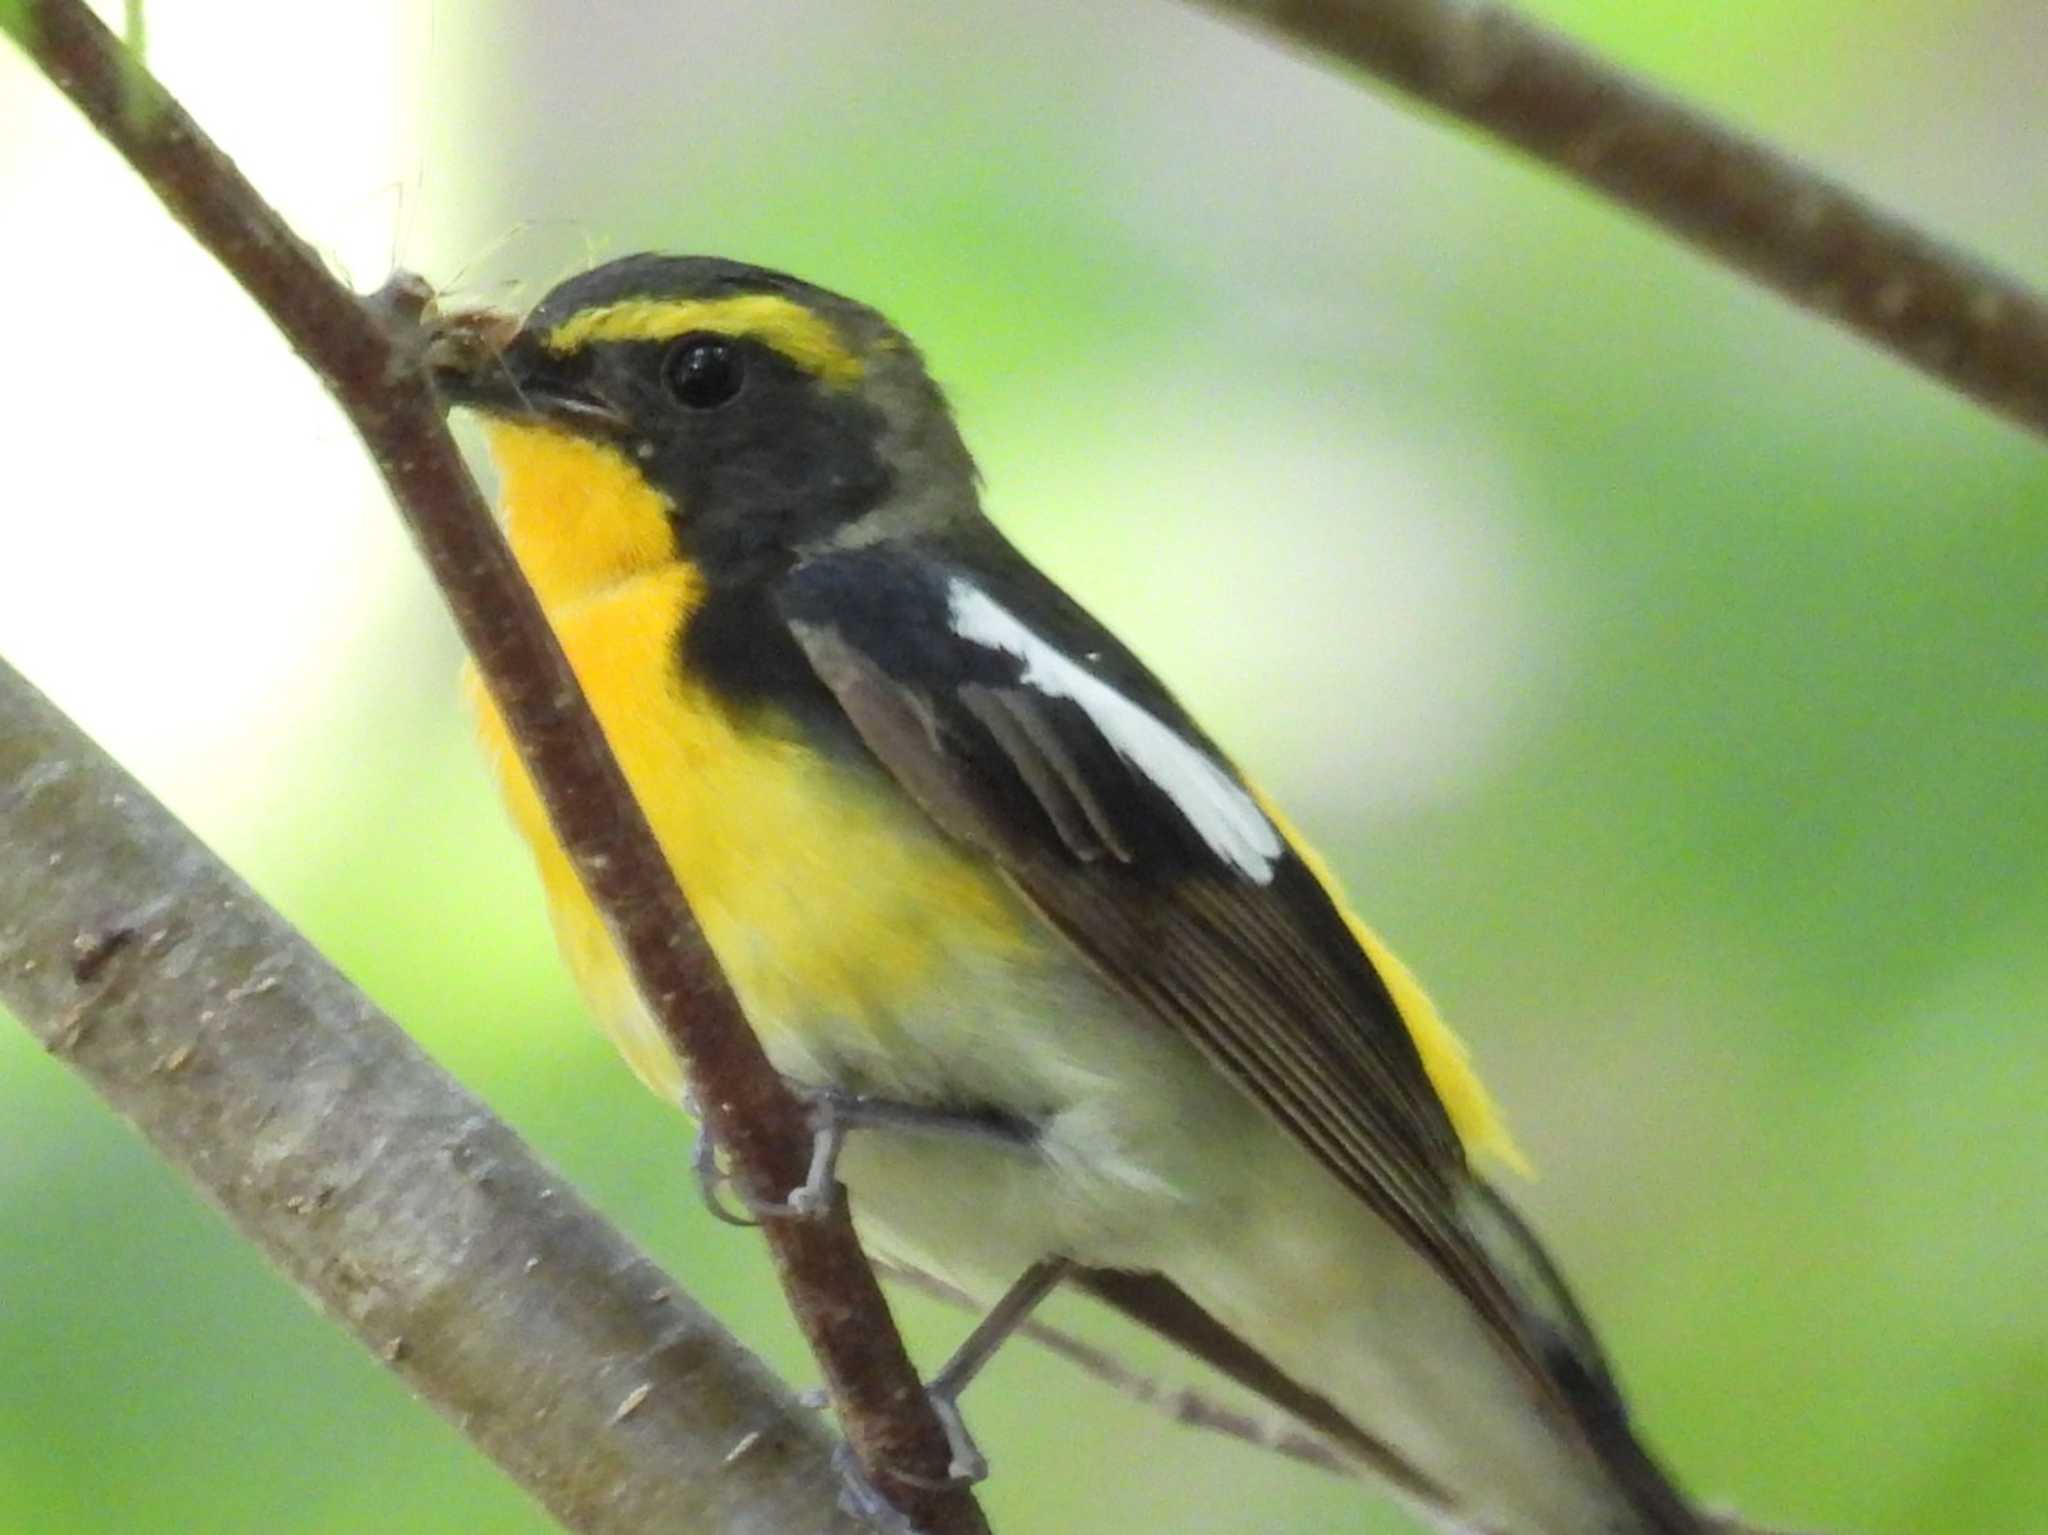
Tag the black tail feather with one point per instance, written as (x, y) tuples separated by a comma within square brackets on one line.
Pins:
[(1577, 1367)]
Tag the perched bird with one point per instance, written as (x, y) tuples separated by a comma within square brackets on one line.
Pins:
[(1096, 1014)]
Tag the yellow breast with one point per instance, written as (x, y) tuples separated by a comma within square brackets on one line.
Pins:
[(828, 899)]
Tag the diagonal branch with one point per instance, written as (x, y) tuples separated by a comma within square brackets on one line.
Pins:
[(368, 357), (1754, 208), (385, 1191)]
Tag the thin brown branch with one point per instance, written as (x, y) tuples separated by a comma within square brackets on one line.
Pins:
[(1181, 1404), (367, 355), (381, 1187), (1748, 204)]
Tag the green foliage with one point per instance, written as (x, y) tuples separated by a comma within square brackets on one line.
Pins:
[(14, 20)]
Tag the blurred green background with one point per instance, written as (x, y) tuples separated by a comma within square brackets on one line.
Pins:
[(1663, 670)]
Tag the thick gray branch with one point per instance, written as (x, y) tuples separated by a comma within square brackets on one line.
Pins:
[(385, 1191), (1750, 205)]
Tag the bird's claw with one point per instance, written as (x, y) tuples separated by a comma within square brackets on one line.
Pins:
[(713, 1179), (968, 1465), (820, 1189), (860, 1497)]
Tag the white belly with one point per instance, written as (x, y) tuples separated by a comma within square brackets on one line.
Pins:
[(1149, 1160)]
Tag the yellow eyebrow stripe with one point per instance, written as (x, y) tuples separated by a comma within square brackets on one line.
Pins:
[(805, 338)]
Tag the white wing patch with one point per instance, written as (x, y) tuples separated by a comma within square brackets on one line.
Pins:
[(1216, 806)]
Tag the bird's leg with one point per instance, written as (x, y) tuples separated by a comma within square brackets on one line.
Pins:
[(858, 1495), (835, 1113), (976, 1350)]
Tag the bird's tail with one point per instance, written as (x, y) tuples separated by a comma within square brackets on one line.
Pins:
[(1559, 1335), (1493, 1427)]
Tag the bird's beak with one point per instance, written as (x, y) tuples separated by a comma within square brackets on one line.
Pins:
[(480, 359)]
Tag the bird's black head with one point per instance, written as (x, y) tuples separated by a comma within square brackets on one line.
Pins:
[(770, 417)]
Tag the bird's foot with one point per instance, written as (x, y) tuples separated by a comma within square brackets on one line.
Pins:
[(860, 1497), (834, 1114)]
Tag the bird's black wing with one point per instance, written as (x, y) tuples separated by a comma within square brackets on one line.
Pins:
[(1025, 729)]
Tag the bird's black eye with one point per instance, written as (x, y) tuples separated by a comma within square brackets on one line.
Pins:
[(702, 372)]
